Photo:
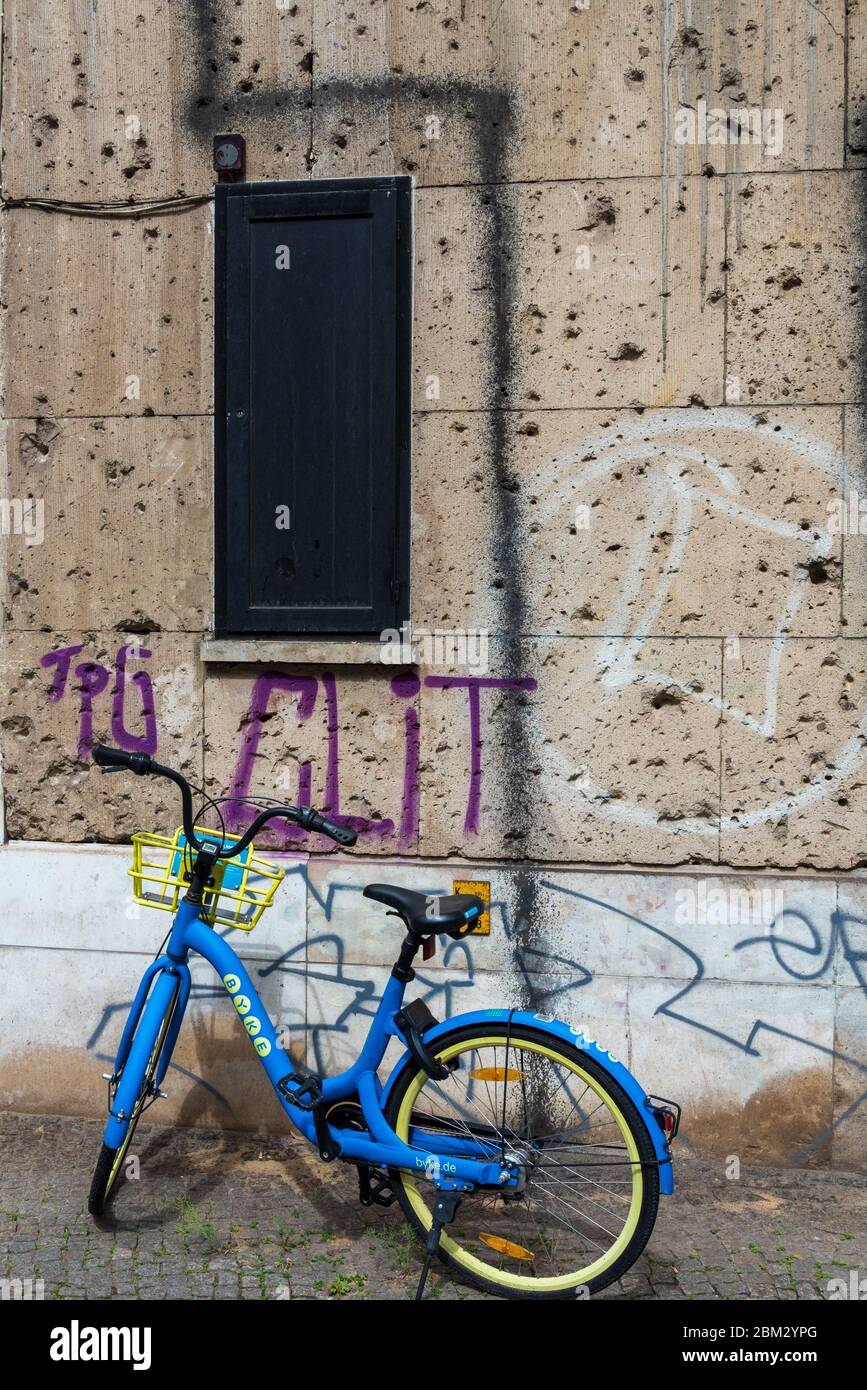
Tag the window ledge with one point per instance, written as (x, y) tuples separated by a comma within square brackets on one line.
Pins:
[(296, 651)]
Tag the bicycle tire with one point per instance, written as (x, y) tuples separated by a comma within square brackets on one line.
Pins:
[(466, 1264), (110, 1161)]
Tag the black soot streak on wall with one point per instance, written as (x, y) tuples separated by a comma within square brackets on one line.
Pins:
[(489, 111), (857, 466)]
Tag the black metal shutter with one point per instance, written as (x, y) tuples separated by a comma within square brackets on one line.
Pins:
[(312, 406)]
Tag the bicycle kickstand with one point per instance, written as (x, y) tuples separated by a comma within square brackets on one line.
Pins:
[(447, 1204)]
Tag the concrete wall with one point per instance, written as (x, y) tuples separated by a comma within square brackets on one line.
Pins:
[(740, 996), (638, 402)]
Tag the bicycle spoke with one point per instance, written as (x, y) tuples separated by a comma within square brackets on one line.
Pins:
[(500, 1099)]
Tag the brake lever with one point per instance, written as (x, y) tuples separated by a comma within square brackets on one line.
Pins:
[(106, 770)]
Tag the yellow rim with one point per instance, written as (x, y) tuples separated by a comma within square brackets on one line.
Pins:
[(472, 1262)]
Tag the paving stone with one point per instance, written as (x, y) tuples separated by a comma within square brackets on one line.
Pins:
[(780, 1236)]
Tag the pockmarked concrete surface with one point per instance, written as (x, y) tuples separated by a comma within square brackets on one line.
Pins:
[(215, 1215)]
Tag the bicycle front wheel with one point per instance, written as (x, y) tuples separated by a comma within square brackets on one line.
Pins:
[(590, 1185), (110, 1161)]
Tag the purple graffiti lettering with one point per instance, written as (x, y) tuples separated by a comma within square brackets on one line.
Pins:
[(62, 659), (240, 812), (474, 684), (92, 679), (133, 743), (407, 688), (360, 824)]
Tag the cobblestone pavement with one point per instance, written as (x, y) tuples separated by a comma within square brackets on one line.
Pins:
[(220, 1215)]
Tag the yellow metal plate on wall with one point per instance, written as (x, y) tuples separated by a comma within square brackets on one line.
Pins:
[(481, 890)]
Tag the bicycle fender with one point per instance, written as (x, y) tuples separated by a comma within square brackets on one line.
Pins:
[(547, 1024), (155, 968), (140, 1050)]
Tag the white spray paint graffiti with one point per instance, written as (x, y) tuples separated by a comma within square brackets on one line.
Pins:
[(658, 436)]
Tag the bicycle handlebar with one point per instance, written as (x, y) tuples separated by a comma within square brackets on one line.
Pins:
[(115, 757), (142, 764)]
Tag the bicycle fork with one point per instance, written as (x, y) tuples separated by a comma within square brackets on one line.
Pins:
[(165, 986)]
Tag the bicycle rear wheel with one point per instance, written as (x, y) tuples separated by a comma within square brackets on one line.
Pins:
[(110, 1161), (591, 1183)]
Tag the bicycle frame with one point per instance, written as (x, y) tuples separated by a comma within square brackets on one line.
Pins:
[(166, 984)]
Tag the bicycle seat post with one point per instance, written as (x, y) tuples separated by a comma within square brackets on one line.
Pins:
[(402, 969)]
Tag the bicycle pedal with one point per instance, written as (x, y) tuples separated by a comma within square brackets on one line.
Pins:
[(374, 1191), (305, 1092)]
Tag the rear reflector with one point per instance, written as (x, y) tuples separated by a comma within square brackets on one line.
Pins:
[(496, 1074), (506, 1247)]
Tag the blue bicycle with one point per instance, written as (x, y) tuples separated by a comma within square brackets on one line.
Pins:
[(523, 1154)]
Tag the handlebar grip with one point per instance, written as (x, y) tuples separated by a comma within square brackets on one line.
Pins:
[(139, 763), (337, 832), (309, 819)]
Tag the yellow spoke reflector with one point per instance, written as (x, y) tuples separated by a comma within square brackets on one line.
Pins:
[(496, 1074), (506, 1247)]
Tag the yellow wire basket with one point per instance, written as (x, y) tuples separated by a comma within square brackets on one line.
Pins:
[(239, 889)]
